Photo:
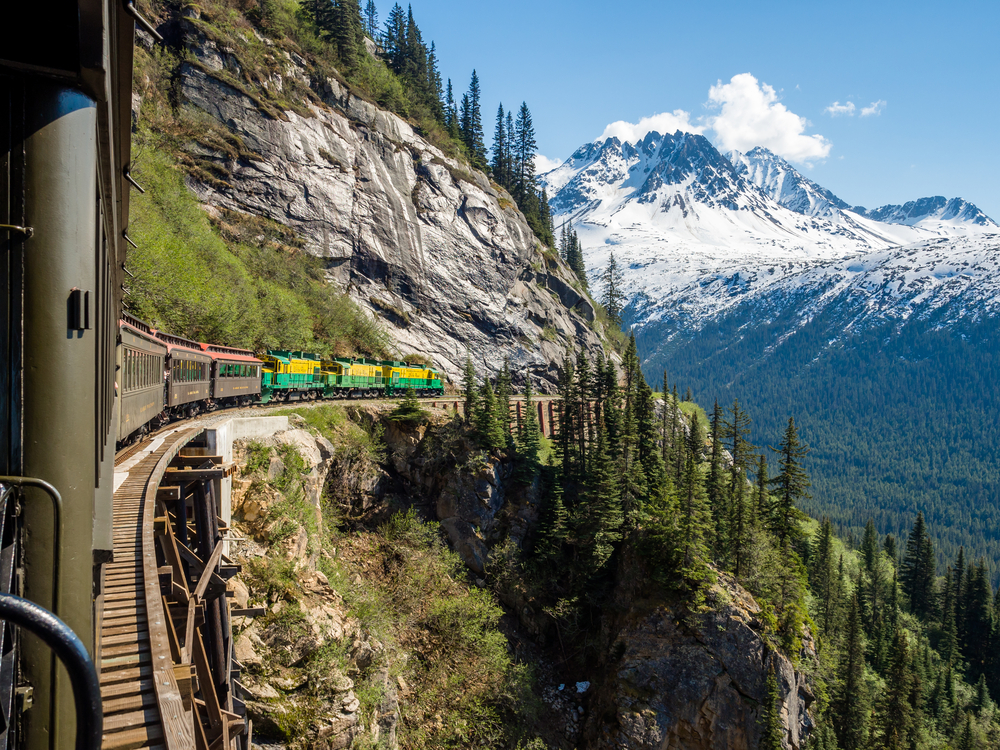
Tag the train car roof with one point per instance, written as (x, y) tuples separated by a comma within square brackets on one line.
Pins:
[(230, 354), (142, 333), (181, 345)]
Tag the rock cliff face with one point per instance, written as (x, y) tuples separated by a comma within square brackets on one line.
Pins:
[(434, 249), (696, 681)]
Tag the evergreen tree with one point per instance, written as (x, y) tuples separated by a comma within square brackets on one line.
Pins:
[(501, 151), (978, 620), (435, 92), (894, 714), (772, 729), (451, 121), (371, 19), (471, 391), (791, 484), (601, 516), (553, 522), (738, 431), (492, 435), (851, 703), (394, 39), (613, 297), (504, 394), (823, 575), (716, 489), (472, 130), (918, 569), (966, 741), (695, 528), (524, 148), (761, 498), (530, 438)]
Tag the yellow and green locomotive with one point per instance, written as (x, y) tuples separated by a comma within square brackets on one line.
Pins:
[(297, 376)]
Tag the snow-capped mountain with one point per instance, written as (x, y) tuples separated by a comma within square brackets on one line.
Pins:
[(696, 230)]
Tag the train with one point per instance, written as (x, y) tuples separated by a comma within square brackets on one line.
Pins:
[(166, 377)]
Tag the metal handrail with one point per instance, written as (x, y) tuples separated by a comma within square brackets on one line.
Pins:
[(57, 507), (70, 650)]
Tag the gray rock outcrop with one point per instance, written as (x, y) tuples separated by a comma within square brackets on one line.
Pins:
[(698, 681), (431, 247)]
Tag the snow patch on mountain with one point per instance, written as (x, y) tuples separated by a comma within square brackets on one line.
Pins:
[(697, 233)]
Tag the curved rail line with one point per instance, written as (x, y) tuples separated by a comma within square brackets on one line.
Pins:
[(142, 702)]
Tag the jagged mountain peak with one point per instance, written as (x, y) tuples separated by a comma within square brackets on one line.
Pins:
[(785, 184)]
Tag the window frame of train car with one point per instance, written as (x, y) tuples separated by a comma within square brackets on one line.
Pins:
[(146, 372)]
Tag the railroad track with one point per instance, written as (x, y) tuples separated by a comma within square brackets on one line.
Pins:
[(133, 635)]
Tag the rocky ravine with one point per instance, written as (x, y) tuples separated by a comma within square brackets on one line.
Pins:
[(669, 678), (686, 680), (433, 248)]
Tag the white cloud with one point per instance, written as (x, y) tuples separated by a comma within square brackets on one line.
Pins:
[(837, 108), (663, 123), (544, 164), (751, 115), (875, 108)]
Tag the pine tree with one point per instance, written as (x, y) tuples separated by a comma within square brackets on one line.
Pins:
[(761, 498), (553, 522), (918, 569), (371, 19), (791, 484), (851, 703), (894, 714), (716, 489), (394, 39), (451, 121), (966, 742), (738, 431), (772, 729), (695, 528), (613, 298), (524, 148), (530, 438), (435, 91), (492, 435), (500, 151), (601, 516), (472, 132), (471, 391), (504, 394)]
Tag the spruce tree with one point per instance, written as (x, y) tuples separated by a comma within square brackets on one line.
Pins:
[(966, 741), (451, 121), (504, 394), (499, 165), (918, 569), (613, 297), (473, 132), (737, 432), (894, 714), (762, 500), (471, 391), (524, 148), (791, 484), (696, 529), (530, 438), (716, 489), (602, 516), (371, 19), (492, 434), (850, 704), (772, 730), (553, 522)]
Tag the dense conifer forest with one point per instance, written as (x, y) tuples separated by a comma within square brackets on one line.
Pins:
[(908, 653), (901, 418)]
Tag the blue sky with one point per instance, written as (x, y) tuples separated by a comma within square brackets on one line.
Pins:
[(935, 68)]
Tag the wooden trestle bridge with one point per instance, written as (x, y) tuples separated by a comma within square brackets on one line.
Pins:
[(165, 649)]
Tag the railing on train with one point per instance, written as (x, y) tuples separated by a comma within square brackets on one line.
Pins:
[(18, 614)]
